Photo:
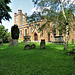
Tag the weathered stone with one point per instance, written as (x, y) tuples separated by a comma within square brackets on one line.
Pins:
[(27, 47), (27, 39), (58, 40), (1, 42), (33, 46), (72, 41), (42, 44), (13, 42)]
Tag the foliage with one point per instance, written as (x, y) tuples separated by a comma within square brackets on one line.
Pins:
[(15, 32), (4, 10), (51, 61), (4, 34), (34, 17), (55, 13)]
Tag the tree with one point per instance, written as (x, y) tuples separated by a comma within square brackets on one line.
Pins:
[(34, 17), (60, 11), (4, 34), (4, 10)]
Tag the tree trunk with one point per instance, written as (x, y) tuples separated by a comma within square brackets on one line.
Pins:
[(66, 40), (66, 43)]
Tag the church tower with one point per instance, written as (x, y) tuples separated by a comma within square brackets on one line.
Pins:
[(20, 18)]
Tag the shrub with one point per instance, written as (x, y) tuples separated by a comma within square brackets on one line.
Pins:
[(15, 32)]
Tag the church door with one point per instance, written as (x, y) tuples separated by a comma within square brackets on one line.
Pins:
[(35, 37)]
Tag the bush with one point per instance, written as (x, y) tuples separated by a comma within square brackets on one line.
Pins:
[(15, 32)]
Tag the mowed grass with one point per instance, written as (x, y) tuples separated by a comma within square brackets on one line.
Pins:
[(50, 61)]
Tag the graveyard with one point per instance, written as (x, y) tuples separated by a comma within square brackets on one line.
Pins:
[(52, 60)]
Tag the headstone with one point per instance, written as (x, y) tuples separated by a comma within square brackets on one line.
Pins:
[(27, 47), (27, 39), (33, 46), (72, 41), (58, 39), (1, 42), (42, 44), (13, 42)]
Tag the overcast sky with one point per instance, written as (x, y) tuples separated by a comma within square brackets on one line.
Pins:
[(26, 6)]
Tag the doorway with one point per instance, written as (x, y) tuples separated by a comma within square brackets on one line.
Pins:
[(35, 37), (48, 37)]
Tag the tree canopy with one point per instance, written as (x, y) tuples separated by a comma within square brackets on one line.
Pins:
[(4, 33), (4, 10)]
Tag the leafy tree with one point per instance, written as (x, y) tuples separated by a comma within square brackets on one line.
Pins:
[(60, 11), (4, 10), (4, 34), (34, 17)]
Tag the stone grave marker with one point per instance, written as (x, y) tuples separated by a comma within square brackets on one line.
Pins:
[(42, 44), (1, 42)]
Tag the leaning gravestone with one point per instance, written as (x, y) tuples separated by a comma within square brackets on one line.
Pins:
[(1, 42), (42, 44)]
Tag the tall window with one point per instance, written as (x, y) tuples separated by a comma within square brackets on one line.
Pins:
[(21, 34), (25, 32), (60, 32), (31, 30), (54, 32), (23, 18)]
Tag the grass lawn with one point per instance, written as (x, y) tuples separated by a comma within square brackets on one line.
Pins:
[(51, 61)]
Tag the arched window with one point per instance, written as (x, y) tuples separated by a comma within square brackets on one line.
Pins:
[(20, 33), (25, 32), (31, 30)]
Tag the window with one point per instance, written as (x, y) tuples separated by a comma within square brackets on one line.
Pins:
[(54, 32), (16, 19), (60, 32), (23, 18), (25, 32), (21, 34), (53, 23), (31, 30)]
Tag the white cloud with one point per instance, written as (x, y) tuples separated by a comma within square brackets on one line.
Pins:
[(39, 9)]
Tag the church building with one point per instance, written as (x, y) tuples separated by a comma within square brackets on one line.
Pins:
[(32, 29)]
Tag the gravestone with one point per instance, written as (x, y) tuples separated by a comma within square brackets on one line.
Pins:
[(27, 47), (1, 42), (33, 46), (13, 42), (27, 39), (58, 40), (10, 42), (42, 44), (72, 41)]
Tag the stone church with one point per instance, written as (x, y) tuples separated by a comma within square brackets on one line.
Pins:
[(32, 29)]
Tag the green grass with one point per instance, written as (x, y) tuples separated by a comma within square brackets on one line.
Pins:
[(50, 61), (71, 42)]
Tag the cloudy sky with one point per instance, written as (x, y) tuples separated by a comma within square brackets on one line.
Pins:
[(26, 6)]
